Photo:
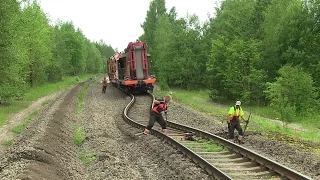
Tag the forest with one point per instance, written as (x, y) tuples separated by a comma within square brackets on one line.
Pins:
[(263, 52), (34, 52)]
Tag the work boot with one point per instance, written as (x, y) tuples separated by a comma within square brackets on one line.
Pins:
[(164, 131), (146, 132)]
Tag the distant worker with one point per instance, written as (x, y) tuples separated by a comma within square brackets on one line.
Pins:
[(160, 105), (104, 85), (233, 121)]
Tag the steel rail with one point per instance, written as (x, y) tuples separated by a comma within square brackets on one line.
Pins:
[(212, 170), (263, 161)]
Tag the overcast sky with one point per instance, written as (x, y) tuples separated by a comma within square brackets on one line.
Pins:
[(117, 22)]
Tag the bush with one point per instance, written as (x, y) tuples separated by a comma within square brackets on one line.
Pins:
[(293, 91), (77, 79)]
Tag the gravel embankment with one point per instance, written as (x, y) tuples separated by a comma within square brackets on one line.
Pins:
[(119, 154), (304, 162)]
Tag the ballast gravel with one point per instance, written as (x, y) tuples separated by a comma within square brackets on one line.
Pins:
[(121, 155)]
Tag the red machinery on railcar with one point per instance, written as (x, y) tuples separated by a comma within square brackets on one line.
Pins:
[(129, 70)]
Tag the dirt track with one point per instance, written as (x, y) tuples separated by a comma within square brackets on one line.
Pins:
[(45, 149), (15, 119)]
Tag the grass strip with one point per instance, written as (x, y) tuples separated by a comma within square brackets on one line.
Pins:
[(208, 146), (20, 128), (81, 98), (200, 101), (7, 143), (79, 135)]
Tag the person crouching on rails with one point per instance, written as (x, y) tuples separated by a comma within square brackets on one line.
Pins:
[(233, 121), (160, 105)]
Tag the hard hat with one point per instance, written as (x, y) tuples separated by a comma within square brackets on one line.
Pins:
[(238, 103)]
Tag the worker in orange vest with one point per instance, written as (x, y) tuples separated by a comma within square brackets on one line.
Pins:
[(160, 105), (233, 121)]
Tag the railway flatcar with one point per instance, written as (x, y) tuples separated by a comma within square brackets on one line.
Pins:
[(129, 70)]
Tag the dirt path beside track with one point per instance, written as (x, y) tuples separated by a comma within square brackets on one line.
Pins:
[(45, 149), (17, 118)]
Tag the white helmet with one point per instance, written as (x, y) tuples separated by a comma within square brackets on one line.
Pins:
[(238, 103)]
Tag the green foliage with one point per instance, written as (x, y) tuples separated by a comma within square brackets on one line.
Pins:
[(77, 78), (156, 10), (234, 67), (37, 42), (34, 52), (175, 46), (236, 51), (293, 92), (12, 52), (234, 19), (79, 135)]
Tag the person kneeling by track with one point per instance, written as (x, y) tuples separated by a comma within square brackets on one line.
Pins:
[(160, 105)]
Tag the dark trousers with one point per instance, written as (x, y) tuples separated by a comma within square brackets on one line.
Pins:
[(234, 124), (156, 117), (104, 89)]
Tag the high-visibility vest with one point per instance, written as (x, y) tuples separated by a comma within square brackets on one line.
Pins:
[(158, 108), (236, 113)]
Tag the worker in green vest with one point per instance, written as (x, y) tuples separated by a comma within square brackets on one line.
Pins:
[(235, 112)]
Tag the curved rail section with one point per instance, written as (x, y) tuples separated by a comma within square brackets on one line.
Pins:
[(197, 159), (206, 165), (263, 161)]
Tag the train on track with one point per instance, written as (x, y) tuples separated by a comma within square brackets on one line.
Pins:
[(129, 70)]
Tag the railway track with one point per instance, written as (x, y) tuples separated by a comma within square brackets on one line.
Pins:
[(230, 161)]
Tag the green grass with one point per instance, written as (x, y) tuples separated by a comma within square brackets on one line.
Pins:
[(81, 98), (208, 146), (35, 93), (79, 135), (200, 101), (19, 128), (7, 143), (87, 157)]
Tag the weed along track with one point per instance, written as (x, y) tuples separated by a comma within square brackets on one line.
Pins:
[(219, 157)]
